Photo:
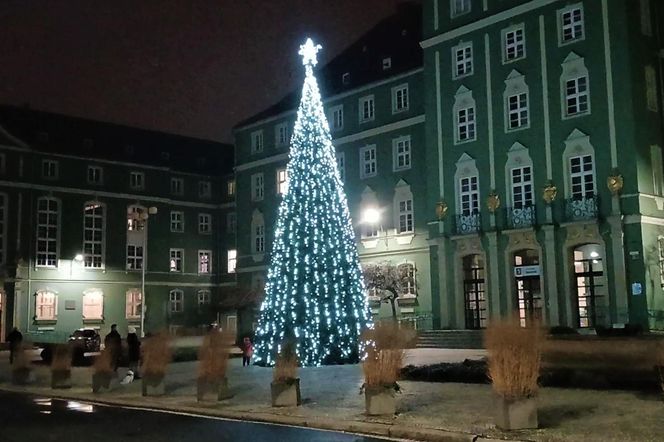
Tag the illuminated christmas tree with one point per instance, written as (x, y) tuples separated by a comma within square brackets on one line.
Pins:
[(314, 293)]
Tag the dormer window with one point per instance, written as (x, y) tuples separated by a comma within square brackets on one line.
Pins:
[(345, 78), (387, 63)]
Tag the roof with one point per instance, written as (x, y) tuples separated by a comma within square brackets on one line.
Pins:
[(397, 36), (61, 134)]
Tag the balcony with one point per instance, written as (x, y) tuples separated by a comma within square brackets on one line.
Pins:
[(467, 224), (581, 209), (521, 217)]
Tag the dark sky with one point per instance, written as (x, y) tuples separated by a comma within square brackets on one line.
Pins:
[(192, 67)]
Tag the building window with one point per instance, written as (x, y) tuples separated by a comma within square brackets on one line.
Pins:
[(337, 117), (459, 7), (463, 60), (203, 298), (177, 186), (341, 165), (134, 257), (514, 44), (135, 218), (660, 249), (133, 300), (469, 196), (387, 63), (406, 216), (93, 304), (257, 187), (366, 106), (400, 98), (259, 238), (474, 292), (204, 261), (345, 78), (257, 141), (204, 223), (406, 274), (282, 181), (50, 169), (176, 258), (3, 228), (231, 261), (582, 177), (522, 187), (230, 187), (93, 235), (48, 225), (571, 26), (177, 221), (517, 111), (651, 89), (401, 151), (137, 180), (576, 96), (176, 301), (368, 163), (204, 189), (281, 135), (231, 222), (370, 230), (466, 124), (46, 306), (95, 175)]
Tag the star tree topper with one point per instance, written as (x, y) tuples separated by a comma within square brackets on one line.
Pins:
[(309, 52)]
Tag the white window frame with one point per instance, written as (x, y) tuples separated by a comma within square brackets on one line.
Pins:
[(257, 187), (411, 285), (204, 224), (387, 63), (203, 297), (660, 260), (48, 258), (401, 153), (176, 301), (366, 109), (562, 27), (133, 301), (281, 135), (231, 222), (93, 249), (400, 98), (464, 66), (573, 69), (93, 299), (341, 165), (337, 118), (521, 184), (175, 260), (204, 189), (406, 216), (95, 175), (46, 300), (230, 187), (282, 181), (201, 254), (466, 122), (460, 7), (136, 180), (50, 169), (514, 46), (177, 221), (521, 112), (372, 162), (577, 96), (135, 256), (231, 261), (177, 186), (585, 177), (257, 141), (469, 200), (257, 233)]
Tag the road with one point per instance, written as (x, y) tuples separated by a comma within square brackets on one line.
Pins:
[(25, 418)]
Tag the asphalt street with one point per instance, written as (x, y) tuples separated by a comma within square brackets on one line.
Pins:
[(30, 418)]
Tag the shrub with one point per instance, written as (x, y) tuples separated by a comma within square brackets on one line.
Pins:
[(213, 356), (104, 362), (61, 358), (515, 355), (285, 368), (156, 355), (385, 353)]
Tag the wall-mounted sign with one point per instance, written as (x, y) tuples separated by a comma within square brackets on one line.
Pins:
[(637, 289), (523, 271)]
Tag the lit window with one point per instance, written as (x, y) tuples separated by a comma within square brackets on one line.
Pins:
[(257, 141), (46, 306), (204, 261), (517, 111), (463, 60), (203, 298), (50, 169), (177, 221), (137, 180), (406, 216), (406, 274), (231, 261), (469, 196), (93, 304), (368, 163), (136, 217), (366, 109), (133, 300), (582, 175), (134, 257), (514, 44), (177, 186), (337, 117), (459, 7), (204, 189), (576, 96), (281, 135), (175, 264), (401, 149), (466, 124), (257, 187), (230, 187), (93, 234), (400, 98), (48, 221), (176, 301), (571, 26), (282, 181), (204, 223), (95, 175), (231, 222)]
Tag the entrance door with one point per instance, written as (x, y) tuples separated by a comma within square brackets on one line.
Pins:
[(528, 287), (589, 280), (473, 291)]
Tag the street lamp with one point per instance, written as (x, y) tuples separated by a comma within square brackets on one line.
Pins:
[(77, 258), (371, 217), (141, 217)]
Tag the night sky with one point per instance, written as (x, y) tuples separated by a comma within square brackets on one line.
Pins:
[(192, 67)]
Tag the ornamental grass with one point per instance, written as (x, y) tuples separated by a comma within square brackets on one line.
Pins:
[(384, 346), (156, 355), (103, 363), (286, 365), (61, 358), (515, 357), (213, 356)]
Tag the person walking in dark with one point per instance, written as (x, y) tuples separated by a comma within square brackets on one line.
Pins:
[(15, 339), (113, 342), (247, 351), (133, 351)]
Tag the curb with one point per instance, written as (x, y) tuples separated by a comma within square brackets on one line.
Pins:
[(347, 426)]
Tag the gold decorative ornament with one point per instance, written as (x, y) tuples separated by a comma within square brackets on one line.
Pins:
[(549, 193), (615, 182), (493, 201), (441, 210)]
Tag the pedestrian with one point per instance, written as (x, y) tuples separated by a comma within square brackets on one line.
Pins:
[(133, 351), (247, 351), (15, 339), (113, 342)]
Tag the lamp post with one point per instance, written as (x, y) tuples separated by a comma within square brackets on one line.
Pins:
[(141, 217)]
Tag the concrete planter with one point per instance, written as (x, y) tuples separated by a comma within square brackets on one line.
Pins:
[(286, 394), (516, 414), (380, 400), (212, 390), (21, 376), (60, 379), (153, 385), (103, 380)]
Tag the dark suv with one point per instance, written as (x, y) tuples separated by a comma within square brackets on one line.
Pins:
[(85, 339)]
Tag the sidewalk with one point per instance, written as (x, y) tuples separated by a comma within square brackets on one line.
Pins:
[(426, 411)]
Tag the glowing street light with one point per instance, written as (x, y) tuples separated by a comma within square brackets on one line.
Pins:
[(78, 258), (371, 215)]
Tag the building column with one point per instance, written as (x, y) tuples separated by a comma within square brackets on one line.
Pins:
[(619, 273), (494, 281), (550, 274)]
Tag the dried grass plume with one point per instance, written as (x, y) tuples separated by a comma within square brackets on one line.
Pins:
[(213, 356), (384, 345), (61, 358), (156, 355)]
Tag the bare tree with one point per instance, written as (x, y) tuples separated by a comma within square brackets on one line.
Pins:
[(387, 280)]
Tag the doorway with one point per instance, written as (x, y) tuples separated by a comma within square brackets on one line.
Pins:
[(589, 285), (474, 291), (527, 278)]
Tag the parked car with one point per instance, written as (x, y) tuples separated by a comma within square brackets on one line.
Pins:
[(86, 339)]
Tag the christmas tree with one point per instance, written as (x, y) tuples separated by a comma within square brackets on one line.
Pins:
[(314, 292)]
